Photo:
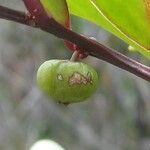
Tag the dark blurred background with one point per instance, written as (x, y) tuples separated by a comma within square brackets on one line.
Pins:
[(117, 117)]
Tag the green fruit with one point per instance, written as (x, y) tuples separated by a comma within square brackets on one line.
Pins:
[(66, 81)]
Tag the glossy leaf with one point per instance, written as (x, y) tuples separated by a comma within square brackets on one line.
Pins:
[(57, 9), (129, 19)]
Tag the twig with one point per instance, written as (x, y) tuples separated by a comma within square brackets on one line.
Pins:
[(94, 48), (9, 14)]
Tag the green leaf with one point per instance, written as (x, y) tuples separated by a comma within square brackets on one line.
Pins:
[(128, 19), (57, 9)]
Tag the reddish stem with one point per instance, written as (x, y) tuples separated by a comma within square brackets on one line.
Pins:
[(92, 47)]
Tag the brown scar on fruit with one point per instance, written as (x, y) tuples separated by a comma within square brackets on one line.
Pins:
[(60, 77), (77, 79)]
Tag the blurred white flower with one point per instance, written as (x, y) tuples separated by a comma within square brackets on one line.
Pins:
[(46, 144)]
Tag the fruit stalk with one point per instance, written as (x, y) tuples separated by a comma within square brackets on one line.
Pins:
[(75, 56)]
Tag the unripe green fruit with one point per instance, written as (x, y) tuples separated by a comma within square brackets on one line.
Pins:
[(66, 81)]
